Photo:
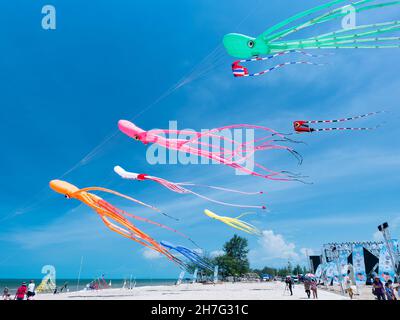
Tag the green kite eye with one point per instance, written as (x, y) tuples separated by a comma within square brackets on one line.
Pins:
[(250, 44)]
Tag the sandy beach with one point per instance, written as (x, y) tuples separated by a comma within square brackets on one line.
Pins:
[(224, 291)]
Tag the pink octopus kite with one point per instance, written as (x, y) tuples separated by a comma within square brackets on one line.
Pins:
[(232, 158)]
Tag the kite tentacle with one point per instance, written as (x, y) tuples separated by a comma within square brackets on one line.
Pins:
[(333, 40), (272, 174), (156, 224), (169, 185), (336, 44), (128, 234), (331, 15), (125, 197), (120, 212), (341, 31), (239, 70), (116, 194), (278, 66), (349, 128), (133, 233), (299, 16), (177, 188), (189, 254), (109, 214), (220, 188), (227, 203), (242, 148), (330, 47), (281, 34), (237, 165), (348, 118), (365, 8), (213, 132), (244, 214), (234, 223), (184, 145), (302, 126)]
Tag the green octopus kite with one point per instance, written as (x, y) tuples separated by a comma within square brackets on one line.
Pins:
[(271, 41)]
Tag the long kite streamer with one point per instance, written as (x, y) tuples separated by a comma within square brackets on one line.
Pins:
[(191, 255), (353, 37), (110, 213), (241, 71), (235, 222), (301, 126), (233, 157), (180, 187)]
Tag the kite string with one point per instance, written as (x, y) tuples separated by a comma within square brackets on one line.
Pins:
[(180, 83), (191, 76), (90, 156)]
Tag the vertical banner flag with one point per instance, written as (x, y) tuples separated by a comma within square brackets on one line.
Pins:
[(216, 274), (195, 275), (181, 275), (318, 272), (359, 264), (386, 268), (343, 265), (332, 272), (324, 278)]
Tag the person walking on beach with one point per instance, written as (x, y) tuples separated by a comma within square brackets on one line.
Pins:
[(21, 291), (6, 293), (378, 289), (289, 284), (31, 290), (389, 291), (347, 285), (314, 289), (398, 291), (65, 286), (307, 287)]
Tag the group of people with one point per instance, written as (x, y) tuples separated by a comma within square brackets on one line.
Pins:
[(28, 291), (63, 287), (384, 291), (24, 292), (381, 291), (92, 286), (310, 285)]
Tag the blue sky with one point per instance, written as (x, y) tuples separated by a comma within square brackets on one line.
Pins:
[(64, 90)]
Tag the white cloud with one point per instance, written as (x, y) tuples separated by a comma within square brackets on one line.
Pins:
[(307, 252), (216, 253), (275, 250), (151, 254), (273, 246)]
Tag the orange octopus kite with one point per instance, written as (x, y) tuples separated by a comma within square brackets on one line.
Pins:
[(108, 212)]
